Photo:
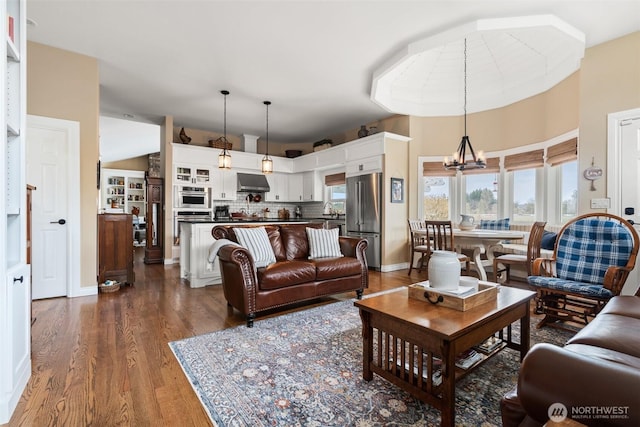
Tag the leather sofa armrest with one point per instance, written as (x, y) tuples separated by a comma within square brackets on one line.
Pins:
[(356, 247), (239, 277), (551, 374), (349, 246)]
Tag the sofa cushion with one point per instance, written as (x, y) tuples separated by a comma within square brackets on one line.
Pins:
[(611, 331), (294, 239), (548, 240), (494, 224), (256, 240), (286, 273), (333, 268), (625, 305), (323, 243), (605, 354)]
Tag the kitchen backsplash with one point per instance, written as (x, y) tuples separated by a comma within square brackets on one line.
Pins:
[(309, 209)]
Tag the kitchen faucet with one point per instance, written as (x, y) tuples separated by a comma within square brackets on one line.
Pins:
[(328, 211)]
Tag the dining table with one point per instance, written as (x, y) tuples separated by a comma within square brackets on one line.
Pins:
[(483, 242)]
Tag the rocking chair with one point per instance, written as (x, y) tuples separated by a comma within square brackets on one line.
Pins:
[(591, 261)]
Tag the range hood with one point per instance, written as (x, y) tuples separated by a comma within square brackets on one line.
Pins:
[(252, 183)]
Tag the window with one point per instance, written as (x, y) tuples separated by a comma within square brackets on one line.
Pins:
[(481, 196), (568, 174), (436, 197), (337, 197), (526, 184), (524, 196)]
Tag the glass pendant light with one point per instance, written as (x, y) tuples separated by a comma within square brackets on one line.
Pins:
[(459, 161), (224, 158), (267, 163)]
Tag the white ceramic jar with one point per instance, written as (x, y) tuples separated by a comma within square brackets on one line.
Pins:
[(444, 270)]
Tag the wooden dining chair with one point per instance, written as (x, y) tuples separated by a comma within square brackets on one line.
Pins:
[(533, 252), (418, 245), (440, 235)]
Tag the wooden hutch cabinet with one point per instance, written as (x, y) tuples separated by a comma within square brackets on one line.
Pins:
[(153, 252), (115, 248)]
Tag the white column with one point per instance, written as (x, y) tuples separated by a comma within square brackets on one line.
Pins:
[(249, 143)]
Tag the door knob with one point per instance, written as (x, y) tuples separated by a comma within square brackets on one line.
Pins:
[(60, 221)]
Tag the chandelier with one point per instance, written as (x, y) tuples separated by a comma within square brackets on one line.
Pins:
[(459, 160), (267, 163), (224, 158)]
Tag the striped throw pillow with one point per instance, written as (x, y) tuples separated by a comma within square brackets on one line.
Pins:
[(256, 240), (323, 243)]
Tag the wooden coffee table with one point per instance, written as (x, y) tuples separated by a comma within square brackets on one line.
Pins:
[(413, 344)]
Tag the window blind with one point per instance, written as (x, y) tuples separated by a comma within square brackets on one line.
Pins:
[(436, 169), (335, 179), (493, 166), (528, 160), (563, 152)]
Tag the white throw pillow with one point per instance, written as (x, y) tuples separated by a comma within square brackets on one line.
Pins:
[(256, 240), (323, 243)]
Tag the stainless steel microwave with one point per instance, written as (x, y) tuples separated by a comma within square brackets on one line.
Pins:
[(191, 197)]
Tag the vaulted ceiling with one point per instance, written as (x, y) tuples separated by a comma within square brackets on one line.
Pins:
[(315, 60)]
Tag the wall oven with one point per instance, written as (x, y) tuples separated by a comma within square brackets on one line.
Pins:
[(191, 198)]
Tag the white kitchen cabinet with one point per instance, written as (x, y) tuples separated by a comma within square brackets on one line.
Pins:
[(192, 174), (364, 166), (15, 286), (296, 187), (224, 184), (312, 187), (195, 242), (278, 187), (123, 189)]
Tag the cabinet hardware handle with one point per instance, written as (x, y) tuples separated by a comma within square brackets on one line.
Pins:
[(20, 279)]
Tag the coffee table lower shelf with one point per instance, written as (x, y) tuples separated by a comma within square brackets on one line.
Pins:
[(409, 342)]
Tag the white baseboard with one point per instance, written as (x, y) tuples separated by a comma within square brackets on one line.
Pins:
[(394, 267)]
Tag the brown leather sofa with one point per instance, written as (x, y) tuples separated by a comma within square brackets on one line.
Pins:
[(293, 277), (596, 375)]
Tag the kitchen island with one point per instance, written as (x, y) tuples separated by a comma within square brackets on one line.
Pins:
[(196, 240)]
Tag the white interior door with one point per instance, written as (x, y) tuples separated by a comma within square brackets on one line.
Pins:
[(623, 175), (48, 152), (630, 171)]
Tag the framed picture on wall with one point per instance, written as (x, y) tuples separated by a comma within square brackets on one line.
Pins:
[(397, 190)]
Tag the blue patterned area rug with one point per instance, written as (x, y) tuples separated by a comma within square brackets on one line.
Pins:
[(305, 369)]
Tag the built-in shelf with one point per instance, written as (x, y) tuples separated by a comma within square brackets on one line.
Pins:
[(12, 51), (15, 285)]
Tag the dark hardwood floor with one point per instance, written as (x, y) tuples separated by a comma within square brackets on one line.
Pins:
[(104, 360)]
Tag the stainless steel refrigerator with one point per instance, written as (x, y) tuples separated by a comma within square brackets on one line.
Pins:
[(364, 213)]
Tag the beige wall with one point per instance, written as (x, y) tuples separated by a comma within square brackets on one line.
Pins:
[(65, 85), (609, 82), (531, 120), (134, 164), (394, 227), (395, 124)]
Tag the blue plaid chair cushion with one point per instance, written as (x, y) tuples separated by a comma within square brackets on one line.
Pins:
[(494, 224), (586, 249), (586, 289)]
